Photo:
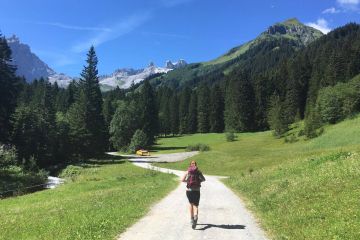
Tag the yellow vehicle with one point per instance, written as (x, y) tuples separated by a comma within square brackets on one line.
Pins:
[(143, 152)]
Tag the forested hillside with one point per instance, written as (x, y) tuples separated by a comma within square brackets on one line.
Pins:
[(279, 79), (272, 84)]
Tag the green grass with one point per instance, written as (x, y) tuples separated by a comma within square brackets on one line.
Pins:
[(233, 53), (99, 203), (179, 143), (302, 190)]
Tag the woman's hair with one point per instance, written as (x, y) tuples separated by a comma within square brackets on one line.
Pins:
[(192, 161)]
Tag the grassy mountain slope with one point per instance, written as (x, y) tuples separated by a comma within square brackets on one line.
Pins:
[(291, 29), (290, 32)]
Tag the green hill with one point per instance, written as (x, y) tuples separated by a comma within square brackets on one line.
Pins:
[(290, 32)]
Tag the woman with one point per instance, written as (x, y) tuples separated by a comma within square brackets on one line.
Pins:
[(193, 178)]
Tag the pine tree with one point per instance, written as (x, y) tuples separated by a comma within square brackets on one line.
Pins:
[(277, 117), (246, 103), (184, 110), (174, 114), (163, 98), (216, 110), (9, 90), (203, 110), (92, 107), (192, 126), (149, 117), (231, 114)]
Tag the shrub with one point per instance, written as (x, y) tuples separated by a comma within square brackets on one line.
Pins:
[(70, 171), (291, 139), (301, 133), (198, 147), (312, 124), (7, 156), (230, 136), (138, 141)]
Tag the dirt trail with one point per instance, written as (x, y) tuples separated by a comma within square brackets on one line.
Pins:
[(222, 215)]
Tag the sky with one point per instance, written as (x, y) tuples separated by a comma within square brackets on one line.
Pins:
[(133, 33)]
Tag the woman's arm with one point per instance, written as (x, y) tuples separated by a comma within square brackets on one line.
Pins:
[(202, 178), (183, 179)]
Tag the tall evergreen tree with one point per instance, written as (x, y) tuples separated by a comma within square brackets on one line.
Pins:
[(192, 127), (216, 110), (94, 119), (246, 102), (277, 116), (203, 110), (149, 112), (164, 95), (184, 110), (231, 114), (9, 90), (174, 114)]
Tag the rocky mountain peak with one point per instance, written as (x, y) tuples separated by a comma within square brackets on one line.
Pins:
[(169, 64), (151, 64), (28, 64), (181, 63), (13, 39), (292, 28)]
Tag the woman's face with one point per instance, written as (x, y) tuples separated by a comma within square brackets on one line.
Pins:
[(193, 163)]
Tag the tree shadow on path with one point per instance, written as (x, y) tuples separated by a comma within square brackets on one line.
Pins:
[(223, 226)]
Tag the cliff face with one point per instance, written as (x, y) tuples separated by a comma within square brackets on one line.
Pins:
[(28, 64), (292, 28)]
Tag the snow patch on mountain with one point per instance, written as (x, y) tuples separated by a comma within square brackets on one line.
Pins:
[(124, 78), (32, 67)]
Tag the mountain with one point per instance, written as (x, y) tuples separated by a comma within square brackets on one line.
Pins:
[(278, 41), (176, 65), (32, 67), (28, 64), (125, 77)]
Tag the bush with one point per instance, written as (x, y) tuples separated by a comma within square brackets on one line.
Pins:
[(7, 156), (291, 139), (301, 133), (198, 147), (138, 141), (312, 124), (70, 171), (230, 136)]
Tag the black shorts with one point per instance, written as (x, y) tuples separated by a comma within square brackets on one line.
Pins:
[(193, 197)]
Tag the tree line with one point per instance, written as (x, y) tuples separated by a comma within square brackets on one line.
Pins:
[(270, 86)]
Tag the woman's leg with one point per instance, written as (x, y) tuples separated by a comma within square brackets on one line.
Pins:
[(195, 210), (192, 206)]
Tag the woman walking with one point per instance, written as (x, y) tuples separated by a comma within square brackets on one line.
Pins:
[(193, 178)]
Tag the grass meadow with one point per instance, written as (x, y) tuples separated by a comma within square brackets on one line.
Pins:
[(308, 189), (96, 202)]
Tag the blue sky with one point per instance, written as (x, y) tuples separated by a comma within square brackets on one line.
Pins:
[(131, 33)]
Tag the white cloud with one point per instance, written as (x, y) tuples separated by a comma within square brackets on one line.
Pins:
[(72, 27), (349, 5), (350, 2), (321, 24), (56, 59), (331, 10), (118, 30)]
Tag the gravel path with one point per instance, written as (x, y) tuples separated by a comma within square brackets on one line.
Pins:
[(222, 215)]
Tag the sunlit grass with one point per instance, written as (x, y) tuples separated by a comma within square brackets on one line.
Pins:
[(100, 203), (308, 189)]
